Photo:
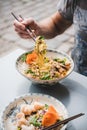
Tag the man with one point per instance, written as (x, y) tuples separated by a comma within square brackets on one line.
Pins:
[(69, 11)]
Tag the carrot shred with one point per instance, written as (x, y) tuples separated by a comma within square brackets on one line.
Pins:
[(52, 109), (31, 57), (50, 117)]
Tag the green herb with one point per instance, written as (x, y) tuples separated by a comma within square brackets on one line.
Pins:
[(63, 61), (23, 58), (43, 52), (18, 128), (60, 61), (41, 37), (29, 71), (34, 121), (29, 52), (46, 60), (55, 59), (46, 77), (46, 106)]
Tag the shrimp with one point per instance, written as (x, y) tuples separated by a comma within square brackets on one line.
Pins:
[(20, 115), (21, 121), (27, 109), (38, 106)]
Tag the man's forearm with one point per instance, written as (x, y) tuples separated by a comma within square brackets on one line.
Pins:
[(53, 26), (47, 28)]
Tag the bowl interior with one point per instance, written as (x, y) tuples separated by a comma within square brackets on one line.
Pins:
[(13, 108), (50, 54)]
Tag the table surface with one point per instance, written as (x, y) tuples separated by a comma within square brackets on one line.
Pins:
[(72, 91)]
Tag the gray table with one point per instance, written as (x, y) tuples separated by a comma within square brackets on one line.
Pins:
[(72, 91)]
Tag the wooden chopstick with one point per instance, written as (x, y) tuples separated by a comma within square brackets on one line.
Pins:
[(28, 29), (63, 122)]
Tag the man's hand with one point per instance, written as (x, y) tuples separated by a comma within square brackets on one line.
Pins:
[(20, 27)]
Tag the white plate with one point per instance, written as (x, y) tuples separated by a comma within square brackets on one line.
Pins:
[(11, 110)]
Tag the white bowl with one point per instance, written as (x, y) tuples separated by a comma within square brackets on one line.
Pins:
[(51, 54), (13, 108)]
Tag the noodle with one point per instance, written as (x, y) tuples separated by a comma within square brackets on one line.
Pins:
[(40, 49)]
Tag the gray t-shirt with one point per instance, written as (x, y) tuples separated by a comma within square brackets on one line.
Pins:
[(76, 12)]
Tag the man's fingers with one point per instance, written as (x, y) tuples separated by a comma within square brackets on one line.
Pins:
[(29, 21), (25, 36), (21, 31), (19, 25)]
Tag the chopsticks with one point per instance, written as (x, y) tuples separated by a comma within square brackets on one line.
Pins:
[(28, 29), (63, 122)]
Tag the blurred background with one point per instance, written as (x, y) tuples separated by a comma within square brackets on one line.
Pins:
[(37, 9)]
